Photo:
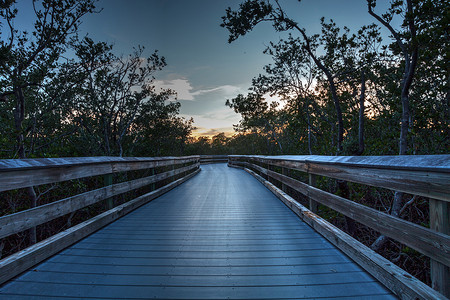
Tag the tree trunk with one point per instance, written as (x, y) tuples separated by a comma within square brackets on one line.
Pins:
[(333, 90), (309, 135), (395, 211), (350, 224), (403, 148), (410, 54), (337, 107), (19, 117), (120, 149), (362, 97), (336, 101), (404, 127), (106, 137)]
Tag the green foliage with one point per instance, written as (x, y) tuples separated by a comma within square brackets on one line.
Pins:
[(96, 103), (307, 120), (30, 61), (250, 13)]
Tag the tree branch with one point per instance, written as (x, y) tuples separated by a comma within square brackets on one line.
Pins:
[(407, 204), (390, 28)]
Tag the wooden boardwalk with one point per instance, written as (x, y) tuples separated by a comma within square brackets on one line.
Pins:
[(220, 235)]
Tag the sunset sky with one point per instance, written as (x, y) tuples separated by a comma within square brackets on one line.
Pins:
[(202, 67)]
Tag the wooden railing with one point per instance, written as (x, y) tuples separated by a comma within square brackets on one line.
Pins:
[(16, 174), (208, 159), (427, 176)]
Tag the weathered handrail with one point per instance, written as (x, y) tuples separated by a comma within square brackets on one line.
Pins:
[(16, 174), (424, 175), (208, 159), (20, 173), (421, 175)]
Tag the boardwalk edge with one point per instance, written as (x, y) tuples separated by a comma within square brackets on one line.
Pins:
[(400, 282), (21, 261)]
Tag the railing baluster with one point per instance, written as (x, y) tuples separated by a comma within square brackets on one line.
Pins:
[(284, 171), (439, 221), (152, 172), (312, 204), (108, 180)]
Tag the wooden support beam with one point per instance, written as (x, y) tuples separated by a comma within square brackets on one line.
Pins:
[(284, 171), (440, 222), (152, 172), (108, 179), (312, 204)]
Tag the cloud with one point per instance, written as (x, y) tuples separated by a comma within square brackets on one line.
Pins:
[(205, 105), (212, 123), (220, 118), (225, 89), (181, 86), (185, 91)]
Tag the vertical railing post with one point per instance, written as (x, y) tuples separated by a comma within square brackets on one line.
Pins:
[(152, 172), (440, 222), (312, 203), (173, 170), (283, 185), (108, 180)]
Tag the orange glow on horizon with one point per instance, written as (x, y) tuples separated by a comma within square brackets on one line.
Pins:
[(210, 132)]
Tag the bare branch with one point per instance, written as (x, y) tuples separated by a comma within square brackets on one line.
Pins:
[(52, 187), (407, 204)]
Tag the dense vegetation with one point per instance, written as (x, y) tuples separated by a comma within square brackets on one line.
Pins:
[(62, 95), (349, 93), (343, 93)]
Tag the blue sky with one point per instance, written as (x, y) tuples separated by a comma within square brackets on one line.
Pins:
[(202, 67)]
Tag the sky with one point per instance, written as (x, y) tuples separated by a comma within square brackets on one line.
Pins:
[(202, 67)]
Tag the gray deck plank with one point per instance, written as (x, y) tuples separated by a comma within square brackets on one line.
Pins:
[(200, 262), (205, 271), (202, 292), (181, 280), (371, 297), (221, 235), (200, 254)]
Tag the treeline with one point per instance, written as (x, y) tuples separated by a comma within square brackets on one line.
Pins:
[(343, 93), (62, 95), (347, 93)]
